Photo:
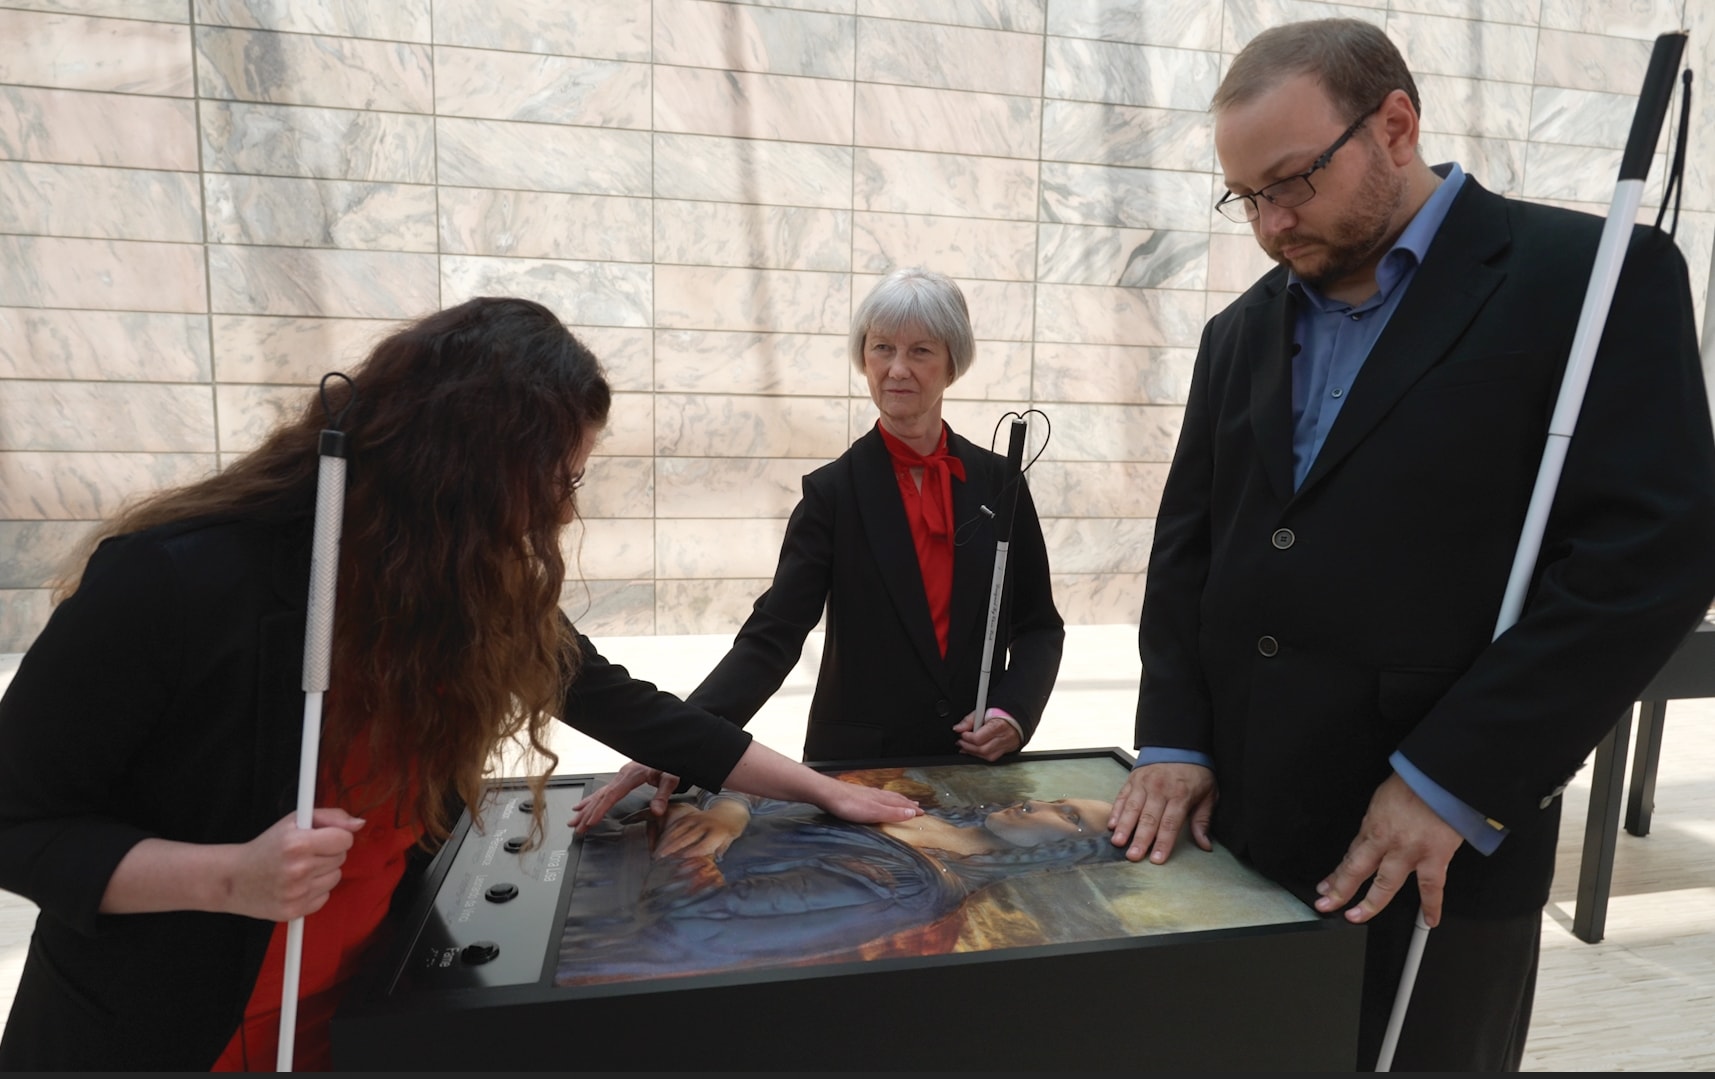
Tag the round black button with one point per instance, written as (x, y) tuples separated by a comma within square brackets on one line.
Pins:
[(515, 844), (503, 892), (1283, 538), (1267, 645), (526, 806), (480, 952)]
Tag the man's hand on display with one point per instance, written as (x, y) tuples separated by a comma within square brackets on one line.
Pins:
[(1400, 836), (596, 805), (994, 741), (1154, 804)]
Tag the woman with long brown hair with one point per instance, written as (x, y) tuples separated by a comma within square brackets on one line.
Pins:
[(149, 739)]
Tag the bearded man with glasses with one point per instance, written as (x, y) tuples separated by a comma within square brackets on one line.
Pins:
[(1362, 435)]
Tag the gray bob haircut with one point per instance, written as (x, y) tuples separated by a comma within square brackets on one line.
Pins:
[(913, 296)]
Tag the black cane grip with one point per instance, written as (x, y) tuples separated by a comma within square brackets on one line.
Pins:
[(1652, 105)]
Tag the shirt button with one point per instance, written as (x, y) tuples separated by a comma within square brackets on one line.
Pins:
[(1339, 393), (1268, 646), (1356, 316), (1283, 538)]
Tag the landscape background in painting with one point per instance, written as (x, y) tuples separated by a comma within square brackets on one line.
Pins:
[(800, 888)]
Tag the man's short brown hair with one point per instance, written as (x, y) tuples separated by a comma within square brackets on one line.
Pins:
[(1352, 59)]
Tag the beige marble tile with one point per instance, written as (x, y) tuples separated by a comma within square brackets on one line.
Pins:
[(122, 275), (102, 203), (589, 293), (1581, 117), (1104, 134), (1461, 106), (741, 37), (832, 7), (1119, 73), (1522, 12), (396, 20), (1117, 374), (744, 104), (23, 613), (691, 548), (790, 301), (630, 430), (1245, 19), (1217, 302), (1593, 61), (78, 128), (999, 372), (336, 144), (1433, 45), (1115, 433), (544, 224), (1091, 489), (1091, 314), (719, 606), (604, 608), (248, 414), (1126, 197), (135, 417), (617, 487), (752, 171), (1098, 544), (117, 346), (1235, 262), (293, 212), (951, 57), (1135, 258), (299, 69), (960, 247), (61, 486), (149, 10), (1026, 16), (1000, 310), (74, 52), (741, 234), (1100, 599), (1182, 24), (947, 121), (610, 549), (542, 157), (1576, 173), (953, 185), (1642, 19), (729, 486), (721, 425), (1497, 164), (625, 352), (291, 351), (608, 29), (307, 281), (493, 85), (702, 361)]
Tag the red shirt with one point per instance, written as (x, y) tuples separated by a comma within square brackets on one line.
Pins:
[(929, 512)]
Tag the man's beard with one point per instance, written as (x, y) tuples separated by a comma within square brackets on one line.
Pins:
[(1357, 239)]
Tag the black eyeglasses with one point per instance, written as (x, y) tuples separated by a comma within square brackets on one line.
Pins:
[(1287, 193)]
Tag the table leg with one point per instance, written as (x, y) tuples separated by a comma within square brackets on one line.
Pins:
[(1601, 825), (1640, 802)]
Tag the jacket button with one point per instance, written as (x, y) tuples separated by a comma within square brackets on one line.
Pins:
[(1283, 538), (943, 709), (1267, 645)]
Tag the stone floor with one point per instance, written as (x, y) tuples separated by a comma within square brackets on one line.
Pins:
[(1641, 1000)]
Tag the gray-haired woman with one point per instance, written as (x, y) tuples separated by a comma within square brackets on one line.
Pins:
[(893, 541)]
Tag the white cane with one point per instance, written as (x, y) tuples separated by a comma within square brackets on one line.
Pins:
[(318, 654), (1604, 276), (1002, 515)]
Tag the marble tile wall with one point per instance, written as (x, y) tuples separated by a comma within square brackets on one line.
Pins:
[(206, 204)]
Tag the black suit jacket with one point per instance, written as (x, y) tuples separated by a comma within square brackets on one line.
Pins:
[(1300, 637), (165, 699), (884, 689)]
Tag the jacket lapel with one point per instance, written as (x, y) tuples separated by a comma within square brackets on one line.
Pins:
[(1451, 286), (973, 555), (1265, 335), (883, 515)]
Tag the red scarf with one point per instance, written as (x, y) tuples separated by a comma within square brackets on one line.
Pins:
[(929, 512)]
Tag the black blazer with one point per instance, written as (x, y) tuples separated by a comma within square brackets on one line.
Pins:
[(164, 699), (1301, 637), (883, 689)]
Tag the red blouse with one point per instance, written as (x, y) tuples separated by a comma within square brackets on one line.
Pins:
[(929, 512)]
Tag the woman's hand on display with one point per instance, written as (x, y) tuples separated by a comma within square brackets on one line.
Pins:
[(866, 805), (597, 804), (704, 833), (997, 738), (287, 872)]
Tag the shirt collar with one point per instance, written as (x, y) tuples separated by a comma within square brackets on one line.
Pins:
[(1413, 243)]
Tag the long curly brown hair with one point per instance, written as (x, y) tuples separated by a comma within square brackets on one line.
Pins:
[(448, 641)]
